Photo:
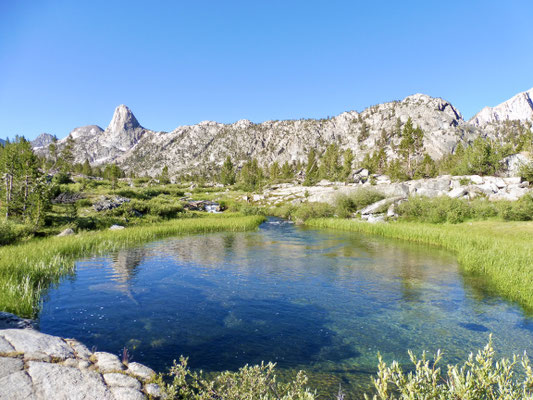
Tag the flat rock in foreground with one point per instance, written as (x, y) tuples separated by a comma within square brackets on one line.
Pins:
[(34, 365)]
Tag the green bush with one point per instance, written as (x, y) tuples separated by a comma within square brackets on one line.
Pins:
[(84, 203), (7, 233), (520, 210), (313, 210), (61, 178), (480, 377), (435, 210), (346, 205), (249, 382)]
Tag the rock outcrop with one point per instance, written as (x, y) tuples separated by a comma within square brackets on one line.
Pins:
[(470, 186), (34, 365)]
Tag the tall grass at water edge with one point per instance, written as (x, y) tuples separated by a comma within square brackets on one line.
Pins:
[(501, 252), (29, 268)]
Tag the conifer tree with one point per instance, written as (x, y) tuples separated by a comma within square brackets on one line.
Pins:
[(164, 177), (287, 171), (227, 173), (311, 171), (347, 160), (410, 146)]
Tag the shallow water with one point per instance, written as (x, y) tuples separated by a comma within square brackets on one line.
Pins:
[(319, 300)]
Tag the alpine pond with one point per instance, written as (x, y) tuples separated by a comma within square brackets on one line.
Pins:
[(319, 300)]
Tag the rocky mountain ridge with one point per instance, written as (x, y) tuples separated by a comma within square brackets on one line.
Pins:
[(517, 108), (207, 144), (43, 140)]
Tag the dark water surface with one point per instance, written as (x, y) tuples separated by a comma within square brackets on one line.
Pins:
[(318, 300)]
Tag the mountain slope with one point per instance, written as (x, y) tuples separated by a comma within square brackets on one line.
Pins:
[(188, 148), (102, 146), (517, 108), (202, 146)]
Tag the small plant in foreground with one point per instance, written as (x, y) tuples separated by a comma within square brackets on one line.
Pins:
[(480, 377), (249, 382)]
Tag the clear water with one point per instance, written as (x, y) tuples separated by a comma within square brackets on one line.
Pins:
[(318, 300)]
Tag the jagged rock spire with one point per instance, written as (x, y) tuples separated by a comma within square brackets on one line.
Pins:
[(123, 120)]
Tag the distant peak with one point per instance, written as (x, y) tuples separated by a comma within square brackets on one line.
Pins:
[(44, 139), (123, 120)]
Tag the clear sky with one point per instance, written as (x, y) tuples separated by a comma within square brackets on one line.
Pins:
[(65, 64)]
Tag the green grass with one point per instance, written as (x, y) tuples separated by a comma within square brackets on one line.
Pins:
[(27, 269), (502, 252)]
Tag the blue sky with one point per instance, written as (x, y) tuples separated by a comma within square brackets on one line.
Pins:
[(65, 64)]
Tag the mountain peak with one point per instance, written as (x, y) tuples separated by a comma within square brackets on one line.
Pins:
[(519, 107), (44, 139), (123, 120)]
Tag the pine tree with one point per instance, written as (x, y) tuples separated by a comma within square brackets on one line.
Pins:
[(411, 144), (251, 175), (164, 177), (274, 172), (227, 173), (330, 167), (287, 171), (86, 168), (67, 155), (311, 171), (364, 133), (347, 161)]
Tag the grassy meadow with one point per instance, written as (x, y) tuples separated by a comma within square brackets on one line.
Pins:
[(500, 251), (28, 268)]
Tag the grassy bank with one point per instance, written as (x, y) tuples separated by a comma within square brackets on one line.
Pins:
[(29, 268), (500, 251)]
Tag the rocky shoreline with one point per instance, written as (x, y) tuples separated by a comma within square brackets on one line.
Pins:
[(34, 365)]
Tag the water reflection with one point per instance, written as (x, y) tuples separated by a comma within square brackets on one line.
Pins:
[(322, 301)]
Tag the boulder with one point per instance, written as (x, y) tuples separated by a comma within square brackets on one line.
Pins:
[(67, 232), (379, 205), (30, 341), (122, 393), (107, 362), (16, 386), (513, 163), (121, 380), (53, 381), (457, 192), (476, 179), (8, 321), (426, 192), (116, 227), (153, 389), (140, 371), (10, 365), (109, 203)]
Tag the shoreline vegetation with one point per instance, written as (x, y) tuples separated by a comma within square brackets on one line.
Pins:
[(501, 252), (28, 268)]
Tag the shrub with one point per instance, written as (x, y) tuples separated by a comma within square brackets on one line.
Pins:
[(61, 178), (7, 233), (313, 210), (84, 203), (346, 205), (526, 171), (365, 197), (520, 210), (481, 377), (249, 382), (435, 210)]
